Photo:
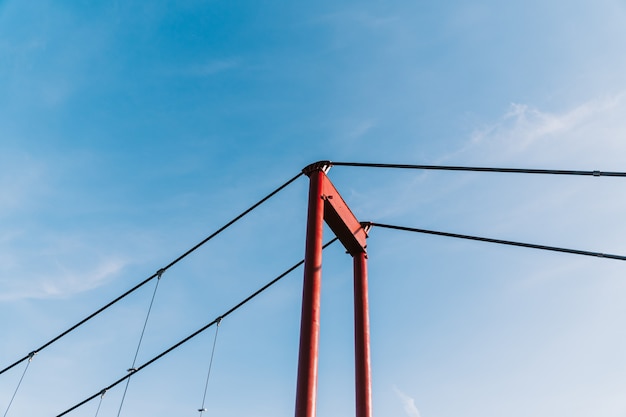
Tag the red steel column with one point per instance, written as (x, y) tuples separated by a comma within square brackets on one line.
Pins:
[(363, 377), (306, 391)]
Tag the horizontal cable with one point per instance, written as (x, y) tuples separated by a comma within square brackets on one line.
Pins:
[(156, 274), (482, 169), (502, 242), (194, 334)]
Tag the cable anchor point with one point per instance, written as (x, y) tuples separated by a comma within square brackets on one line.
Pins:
[(31, 355), (218, 320), (102, 393), (159, 273), (323, 166)]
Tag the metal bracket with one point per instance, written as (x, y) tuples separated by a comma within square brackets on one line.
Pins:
[(323, 166)]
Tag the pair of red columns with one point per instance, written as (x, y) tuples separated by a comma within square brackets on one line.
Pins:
[(325, 204)]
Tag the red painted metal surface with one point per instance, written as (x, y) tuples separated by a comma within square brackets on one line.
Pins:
[(326, 204), (341, 220), (363, 376), (306, 391)]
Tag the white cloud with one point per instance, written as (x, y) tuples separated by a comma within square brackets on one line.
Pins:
[(353, 130), (57, 279), (590, 132), (408, 403), (54, 263)]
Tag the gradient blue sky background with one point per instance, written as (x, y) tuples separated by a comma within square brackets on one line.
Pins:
[(131, 130)]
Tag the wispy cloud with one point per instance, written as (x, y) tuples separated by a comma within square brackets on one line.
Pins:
[(408, 403), (354, 129), (361, 129), (592, 130), (587, 136), (57, 273)]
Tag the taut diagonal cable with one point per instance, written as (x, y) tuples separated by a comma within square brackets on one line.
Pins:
[(194, 334), (150, 278), (102, 393), (503, 242), (30, 359), (481, 169), (143, 331), (208, 374)]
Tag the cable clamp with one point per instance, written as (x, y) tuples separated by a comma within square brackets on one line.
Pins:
[(160, 272), (202, 410), (323, 166), (367, 226), (218, 320), (31, 355), (133, 370), (104, 391), (597, 173)]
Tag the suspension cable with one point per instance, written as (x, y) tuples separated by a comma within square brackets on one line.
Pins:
[(102, 393), (502, 242), (208, 375), (349, 164), (30, 359), (143, 331), (150, 278), (194, 334), (482, 169)]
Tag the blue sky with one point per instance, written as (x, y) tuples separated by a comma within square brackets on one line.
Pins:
[(131, 130)]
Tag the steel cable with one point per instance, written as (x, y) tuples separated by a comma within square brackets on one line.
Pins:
[(502, 242), (156, 274), (143, 331), (30, 359), (194, 334), (208, 375), (100, 402), (482, 169)]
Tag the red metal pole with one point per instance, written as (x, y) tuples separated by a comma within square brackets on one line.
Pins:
[(306, 391), (363, 377)]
